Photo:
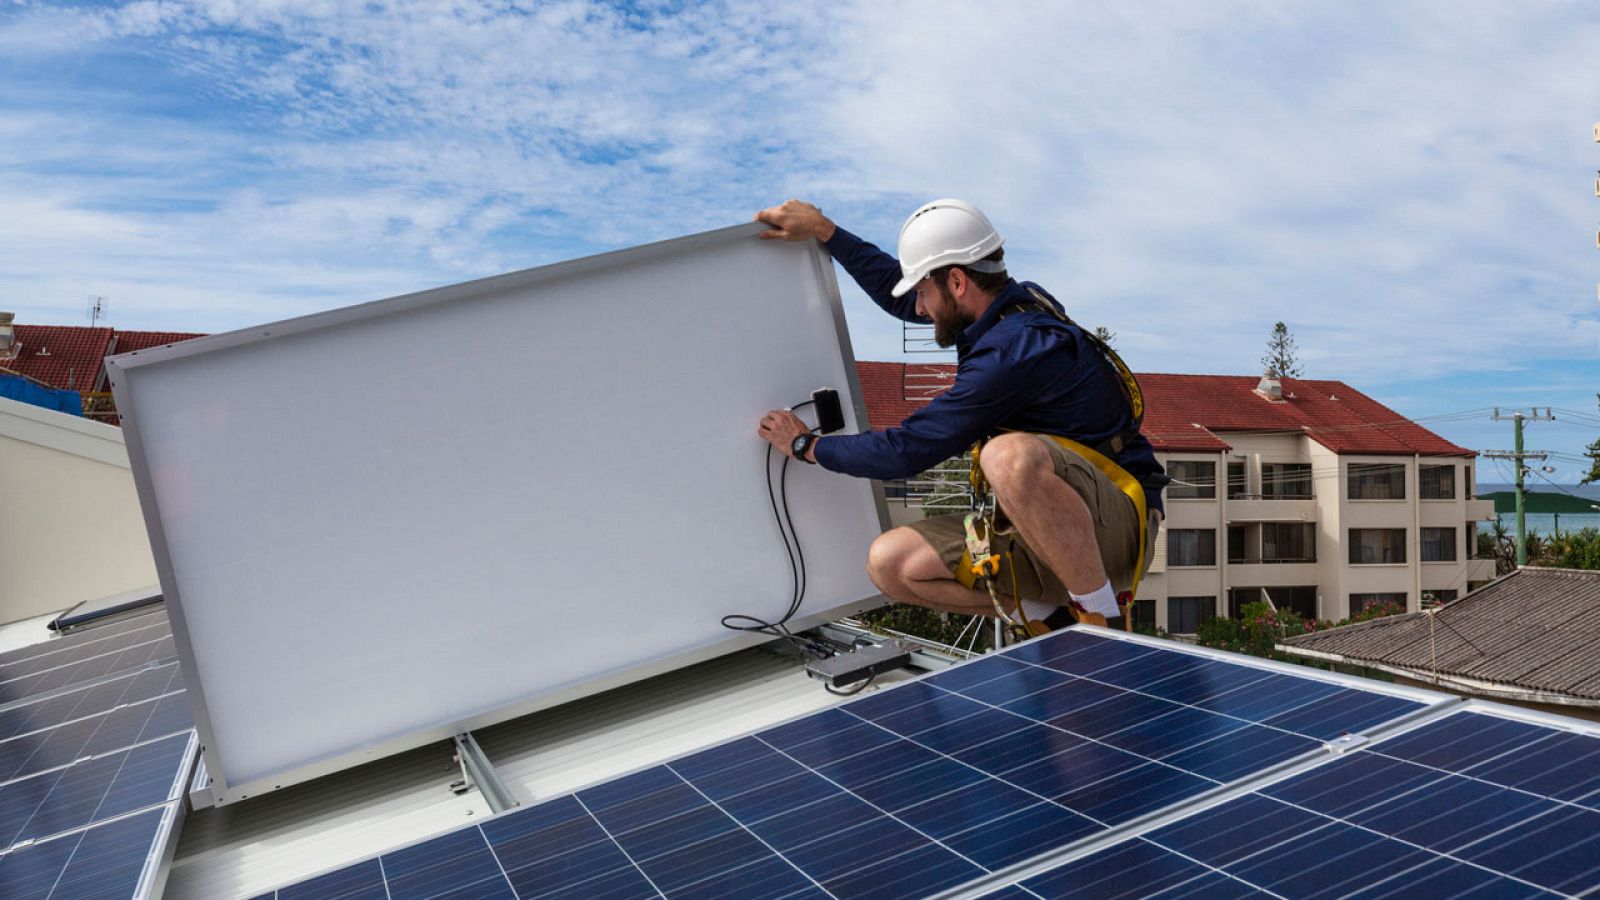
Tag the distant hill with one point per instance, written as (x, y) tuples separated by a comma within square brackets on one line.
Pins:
[(1540, 501)]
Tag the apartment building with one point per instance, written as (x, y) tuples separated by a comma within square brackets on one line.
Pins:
[(1307, 493)]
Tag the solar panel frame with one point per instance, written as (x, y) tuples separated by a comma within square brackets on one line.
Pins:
[(1440, 845), (76, 864), (97, 747), (663, 803)]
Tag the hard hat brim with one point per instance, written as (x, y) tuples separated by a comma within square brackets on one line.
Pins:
[(905, 285)]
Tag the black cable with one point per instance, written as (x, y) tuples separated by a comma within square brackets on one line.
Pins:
[(797, 563), (866, 683)]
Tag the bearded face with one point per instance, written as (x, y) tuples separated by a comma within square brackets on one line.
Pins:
[(948, 318)]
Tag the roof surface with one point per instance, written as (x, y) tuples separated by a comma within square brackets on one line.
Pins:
[(71, 357), (1533, 630), (1194, 412), (61, 356)]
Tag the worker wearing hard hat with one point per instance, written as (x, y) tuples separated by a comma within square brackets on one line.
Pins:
[(1078, 488)]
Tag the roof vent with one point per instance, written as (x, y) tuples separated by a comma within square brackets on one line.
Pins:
[(1270, 387)]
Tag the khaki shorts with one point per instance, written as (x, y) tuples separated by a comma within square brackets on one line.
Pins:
[(1022, 573)]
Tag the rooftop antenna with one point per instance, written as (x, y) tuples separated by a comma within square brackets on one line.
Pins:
[(97, 310)]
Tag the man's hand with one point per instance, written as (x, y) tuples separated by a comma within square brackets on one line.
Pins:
[(780, 427), (795, 220)]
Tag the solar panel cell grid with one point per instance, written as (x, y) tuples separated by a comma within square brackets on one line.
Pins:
[(1470, 804), (87, 670), (83, 638), (93, 790), (58, 709), (106, 861), (922, 787)]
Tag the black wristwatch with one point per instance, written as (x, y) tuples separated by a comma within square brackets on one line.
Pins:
[(801, 445)]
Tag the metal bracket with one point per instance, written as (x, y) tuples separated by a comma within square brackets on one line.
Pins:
[(478, 772), (1344, 743)]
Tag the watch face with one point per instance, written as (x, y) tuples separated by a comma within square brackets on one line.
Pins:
[(800, 445)]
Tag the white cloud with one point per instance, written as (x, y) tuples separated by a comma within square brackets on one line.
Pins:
[(1404, 185)]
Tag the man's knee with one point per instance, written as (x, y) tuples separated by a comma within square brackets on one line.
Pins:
[(899, 556), (1013, 457)]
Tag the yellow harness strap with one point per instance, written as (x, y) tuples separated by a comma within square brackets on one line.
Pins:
[(1119, 476)]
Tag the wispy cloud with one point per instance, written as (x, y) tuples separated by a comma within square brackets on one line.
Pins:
[(1404, 184)]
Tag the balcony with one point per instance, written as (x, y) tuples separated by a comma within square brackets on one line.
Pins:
[(1253, 509), (1480, 510)]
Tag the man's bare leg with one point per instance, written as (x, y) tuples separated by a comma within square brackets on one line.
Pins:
[(1048, 513), (906, 568)]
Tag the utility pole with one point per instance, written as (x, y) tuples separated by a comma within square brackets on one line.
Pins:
[(1517, 456)]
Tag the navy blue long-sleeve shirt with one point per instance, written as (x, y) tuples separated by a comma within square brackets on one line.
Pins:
[(1018, 368)]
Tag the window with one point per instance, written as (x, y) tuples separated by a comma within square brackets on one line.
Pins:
[(1372, 546), (1184, 614), (1302, 601), (1361, 602), (1144, 614), (1236, 544), (1288, 542), (1285, 481), (1192, 480), (1436, 482), (1474, 585), (1238, 597), (1377, 481), (1238, 480), (1438, 545), (1191, 546)]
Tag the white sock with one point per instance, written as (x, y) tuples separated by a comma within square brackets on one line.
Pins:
[(1036, 611), (1102, 600)]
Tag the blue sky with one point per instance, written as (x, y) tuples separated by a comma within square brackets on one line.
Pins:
[(1409, 186)]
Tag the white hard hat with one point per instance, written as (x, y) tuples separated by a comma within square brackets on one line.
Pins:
[(945, 233)]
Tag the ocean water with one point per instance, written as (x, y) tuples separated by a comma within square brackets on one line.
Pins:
[(1545, 523)]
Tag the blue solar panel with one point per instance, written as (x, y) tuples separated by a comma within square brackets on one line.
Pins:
[(1474, 803), (909, 791), (58, 709), (109, 861), (96, 747)]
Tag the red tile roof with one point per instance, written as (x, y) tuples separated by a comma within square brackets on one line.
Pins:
[(61, 356), (72, 357), (1195, 412), (1331, 413), (129, 341)]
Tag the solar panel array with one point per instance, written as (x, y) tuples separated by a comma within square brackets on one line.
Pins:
[(1475, 803), (926, 787), (96, 748)]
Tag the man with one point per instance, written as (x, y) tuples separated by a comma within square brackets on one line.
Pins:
[(1024, 373)]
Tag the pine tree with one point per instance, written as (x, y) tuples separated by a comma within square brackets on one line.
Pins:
[(1105, 334), (1281, 360)]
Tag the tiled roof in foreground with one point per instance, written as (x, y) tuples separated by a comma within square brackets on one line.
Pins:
[(1534, 632)]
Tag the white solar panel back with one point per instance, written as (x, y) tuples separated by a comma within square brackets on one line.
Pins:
[(386, 524)]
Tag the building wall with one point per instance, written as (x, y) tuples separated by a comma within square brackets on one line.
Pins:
[(1333, 513), (70, 525)]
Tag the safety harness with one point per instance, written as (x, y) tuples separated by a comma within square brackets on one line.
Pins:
[(981, 560)]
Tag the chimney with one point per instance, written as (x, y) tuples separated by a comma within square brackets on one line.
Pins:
[(8, 338), (1270, 387)]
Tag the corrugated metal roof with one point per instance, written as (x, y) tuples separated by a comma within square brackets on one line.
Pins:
[(1535, 630), (288, 835)]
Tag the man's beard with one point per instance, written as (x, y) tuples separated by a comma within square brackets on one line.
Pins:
[(946, 330)]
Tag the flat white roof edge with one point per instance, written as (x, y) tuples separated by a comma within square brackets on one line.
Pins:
[(60, 431)]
